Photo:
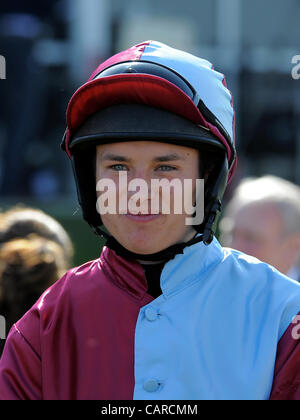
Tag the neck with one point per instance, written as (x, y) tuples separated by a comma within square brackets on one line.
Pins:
[(158, 257), (151, 262)]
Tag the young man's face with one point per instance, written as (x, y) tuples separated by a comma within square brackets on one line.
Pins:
[(146, 162)]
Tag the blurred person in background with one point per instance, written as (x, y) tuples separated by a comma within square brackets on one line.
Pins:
[(35, 251), (262, 219)]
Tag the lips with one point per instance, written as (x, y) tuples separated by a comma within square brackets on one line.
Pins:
[(140, 217), (142, 214)]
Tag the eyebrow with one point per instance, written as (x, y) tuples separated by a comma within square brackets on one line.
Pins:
[(117, 158), (162, 158), (167, 158)]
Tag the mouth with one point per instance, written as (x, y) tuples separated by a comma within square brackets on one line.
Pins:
[(141, 217)]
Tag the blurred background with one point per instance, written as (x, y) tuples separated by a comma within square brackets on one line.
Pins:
[(50, 47)]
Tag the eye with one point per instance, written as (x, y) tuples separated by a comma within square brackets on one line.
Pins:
[(166, 168), (118, 167)]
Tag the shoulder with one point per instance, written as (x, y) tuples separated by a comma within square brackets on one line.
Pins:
[(255, 270), (57, 301), (72, 283), (271, 290)]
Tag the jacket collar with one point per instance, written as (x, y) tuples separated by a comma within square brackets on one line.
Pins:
[(187, 268), (126, 274), (181, 271)]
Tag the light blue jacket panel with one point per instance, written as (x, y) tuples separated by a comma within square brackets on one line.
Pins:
[(213, 333)]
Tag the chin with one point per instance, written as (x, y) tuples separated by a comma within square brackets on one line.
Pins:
[(143, 249), (143, 245)]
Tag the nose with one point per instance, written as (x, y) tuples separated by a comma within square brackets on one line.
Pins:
[(139, 180), (141, 173)]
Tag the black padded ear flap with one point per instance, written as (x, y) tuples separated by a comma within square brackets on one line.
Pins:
[(83, 165), (214, 191)]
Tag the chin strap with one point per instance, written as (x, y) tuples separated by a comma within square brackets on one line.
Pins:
[(165, 254), (208, 233)]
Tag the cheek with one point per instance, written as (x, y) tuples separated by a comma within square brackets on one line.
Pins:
[(174, 226), (115, 225), (108, 220)]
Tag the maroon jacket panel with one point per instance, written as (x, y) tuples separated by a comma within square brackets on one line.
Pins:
[(83, 330), (286, 383)]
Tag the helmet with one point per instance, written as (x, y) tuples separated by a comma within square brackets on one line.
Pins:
[(153, 92)]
